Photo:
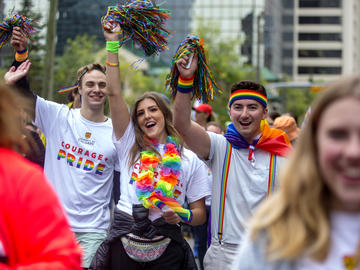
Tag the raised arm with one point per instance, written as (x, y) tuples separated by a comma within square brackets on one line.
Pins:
[(19, 42), (193, 134), (118, 108)]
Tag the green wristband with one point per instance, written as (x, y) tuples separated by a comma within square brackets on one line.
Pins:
[(112, 46)]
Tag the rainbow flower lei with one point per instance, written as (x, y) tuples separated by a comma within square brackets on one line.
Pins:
[(160, 194)]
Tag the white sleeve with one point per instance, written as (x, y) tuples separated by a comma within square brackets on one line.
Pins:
[(47, 114), (124, 144), (215, 142), (197, 186)]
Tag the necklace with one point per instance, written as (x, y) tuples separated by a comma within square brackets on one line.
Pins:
[(161, 193)]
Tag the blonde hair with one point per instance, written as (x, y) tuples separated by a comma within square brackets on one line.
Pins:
[(90, 67), (296, 218)]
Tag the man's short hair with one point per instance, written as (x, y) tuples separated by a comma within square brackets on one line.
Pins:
[(85, 69)]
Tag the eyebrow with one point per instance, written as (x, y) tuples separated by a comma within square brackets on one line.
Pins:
[(150, 107), (93, 81), (250, 104)]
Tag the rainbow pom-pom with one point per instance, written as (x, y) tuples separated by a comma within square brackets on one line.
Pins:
[(141, 22), (14, 19), (204, 86)]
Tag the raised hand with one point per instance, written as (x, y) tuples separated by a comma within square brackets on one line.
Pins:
[(183, 62), (13, 74), (18, 40), (112, 31)]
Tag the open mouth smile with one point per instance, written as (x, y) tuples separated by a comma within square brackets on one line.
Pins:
[(150, 124), (245, 123)]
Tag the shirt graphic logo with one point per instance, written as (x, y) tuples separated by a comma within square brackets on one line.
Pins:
[(87, 139)]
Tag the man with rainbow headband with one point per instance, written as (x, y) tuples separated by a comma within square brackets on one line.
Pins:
[(245, 162)]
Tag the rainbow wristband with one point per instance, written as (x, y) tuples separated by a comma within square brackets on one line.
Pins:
[(185, 85), (112, 46), (21, 56), (111, 64), (24, 50), (189, 218)]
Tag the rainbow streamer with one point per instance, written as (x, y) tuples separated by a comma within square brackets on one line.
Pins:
[(141, 22), (14, 19), (272, 170), (160, 201), (204, 87), (225, 174), (67, 89)]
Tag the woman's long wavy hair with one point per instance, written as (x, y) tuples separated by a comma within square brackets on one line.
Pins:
[(12, 115), (296, 218), (141, 142)]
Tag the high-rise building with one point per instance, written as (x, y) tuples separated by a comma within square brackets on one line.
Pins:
[(319, 39), (79, 17), (40, 6), (327, 39), (278, 36), (236, 19), (247, 26), (83, 16), (179, 24)]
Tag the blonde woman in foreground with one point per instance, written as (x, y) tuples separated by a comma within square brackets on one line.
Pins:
[(313, 221)]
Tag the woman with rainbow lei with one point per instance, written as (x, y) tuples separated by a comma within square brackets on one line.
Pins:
[(156, 175)]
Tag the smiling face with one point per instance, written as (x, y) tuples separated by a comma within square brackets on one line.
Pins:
[(92, 89), (151, 120), (338, 140), (246, 114)]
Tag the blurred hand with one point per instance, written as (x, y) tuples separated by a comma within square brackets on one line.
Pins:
[(112, 31), (13, 75), (183, 62), (18, 40), (171, 217)]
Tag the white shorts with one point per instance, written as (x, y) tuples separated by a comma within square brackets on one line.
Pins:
[(220, 256), (89, 241)]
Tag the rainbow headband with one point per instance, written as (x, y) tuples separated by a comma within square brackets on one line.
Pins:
[(73, 87), (247, 94)]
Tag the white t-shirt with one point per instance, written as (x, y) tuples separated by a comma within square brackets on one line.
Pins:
[(247, 186), (79, 162), (345, 237), (192, 180), (209, 182)]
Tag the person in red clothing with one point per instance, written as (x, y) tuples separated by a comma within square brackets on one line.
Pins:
[(34, 232)]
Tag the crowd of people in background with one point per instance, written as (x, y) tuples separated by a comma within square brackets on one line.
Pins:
[(84, 190)]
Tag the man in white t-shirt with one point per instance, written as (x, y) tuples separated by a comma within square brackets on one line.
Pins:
[(244, 162), (80, 156)]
